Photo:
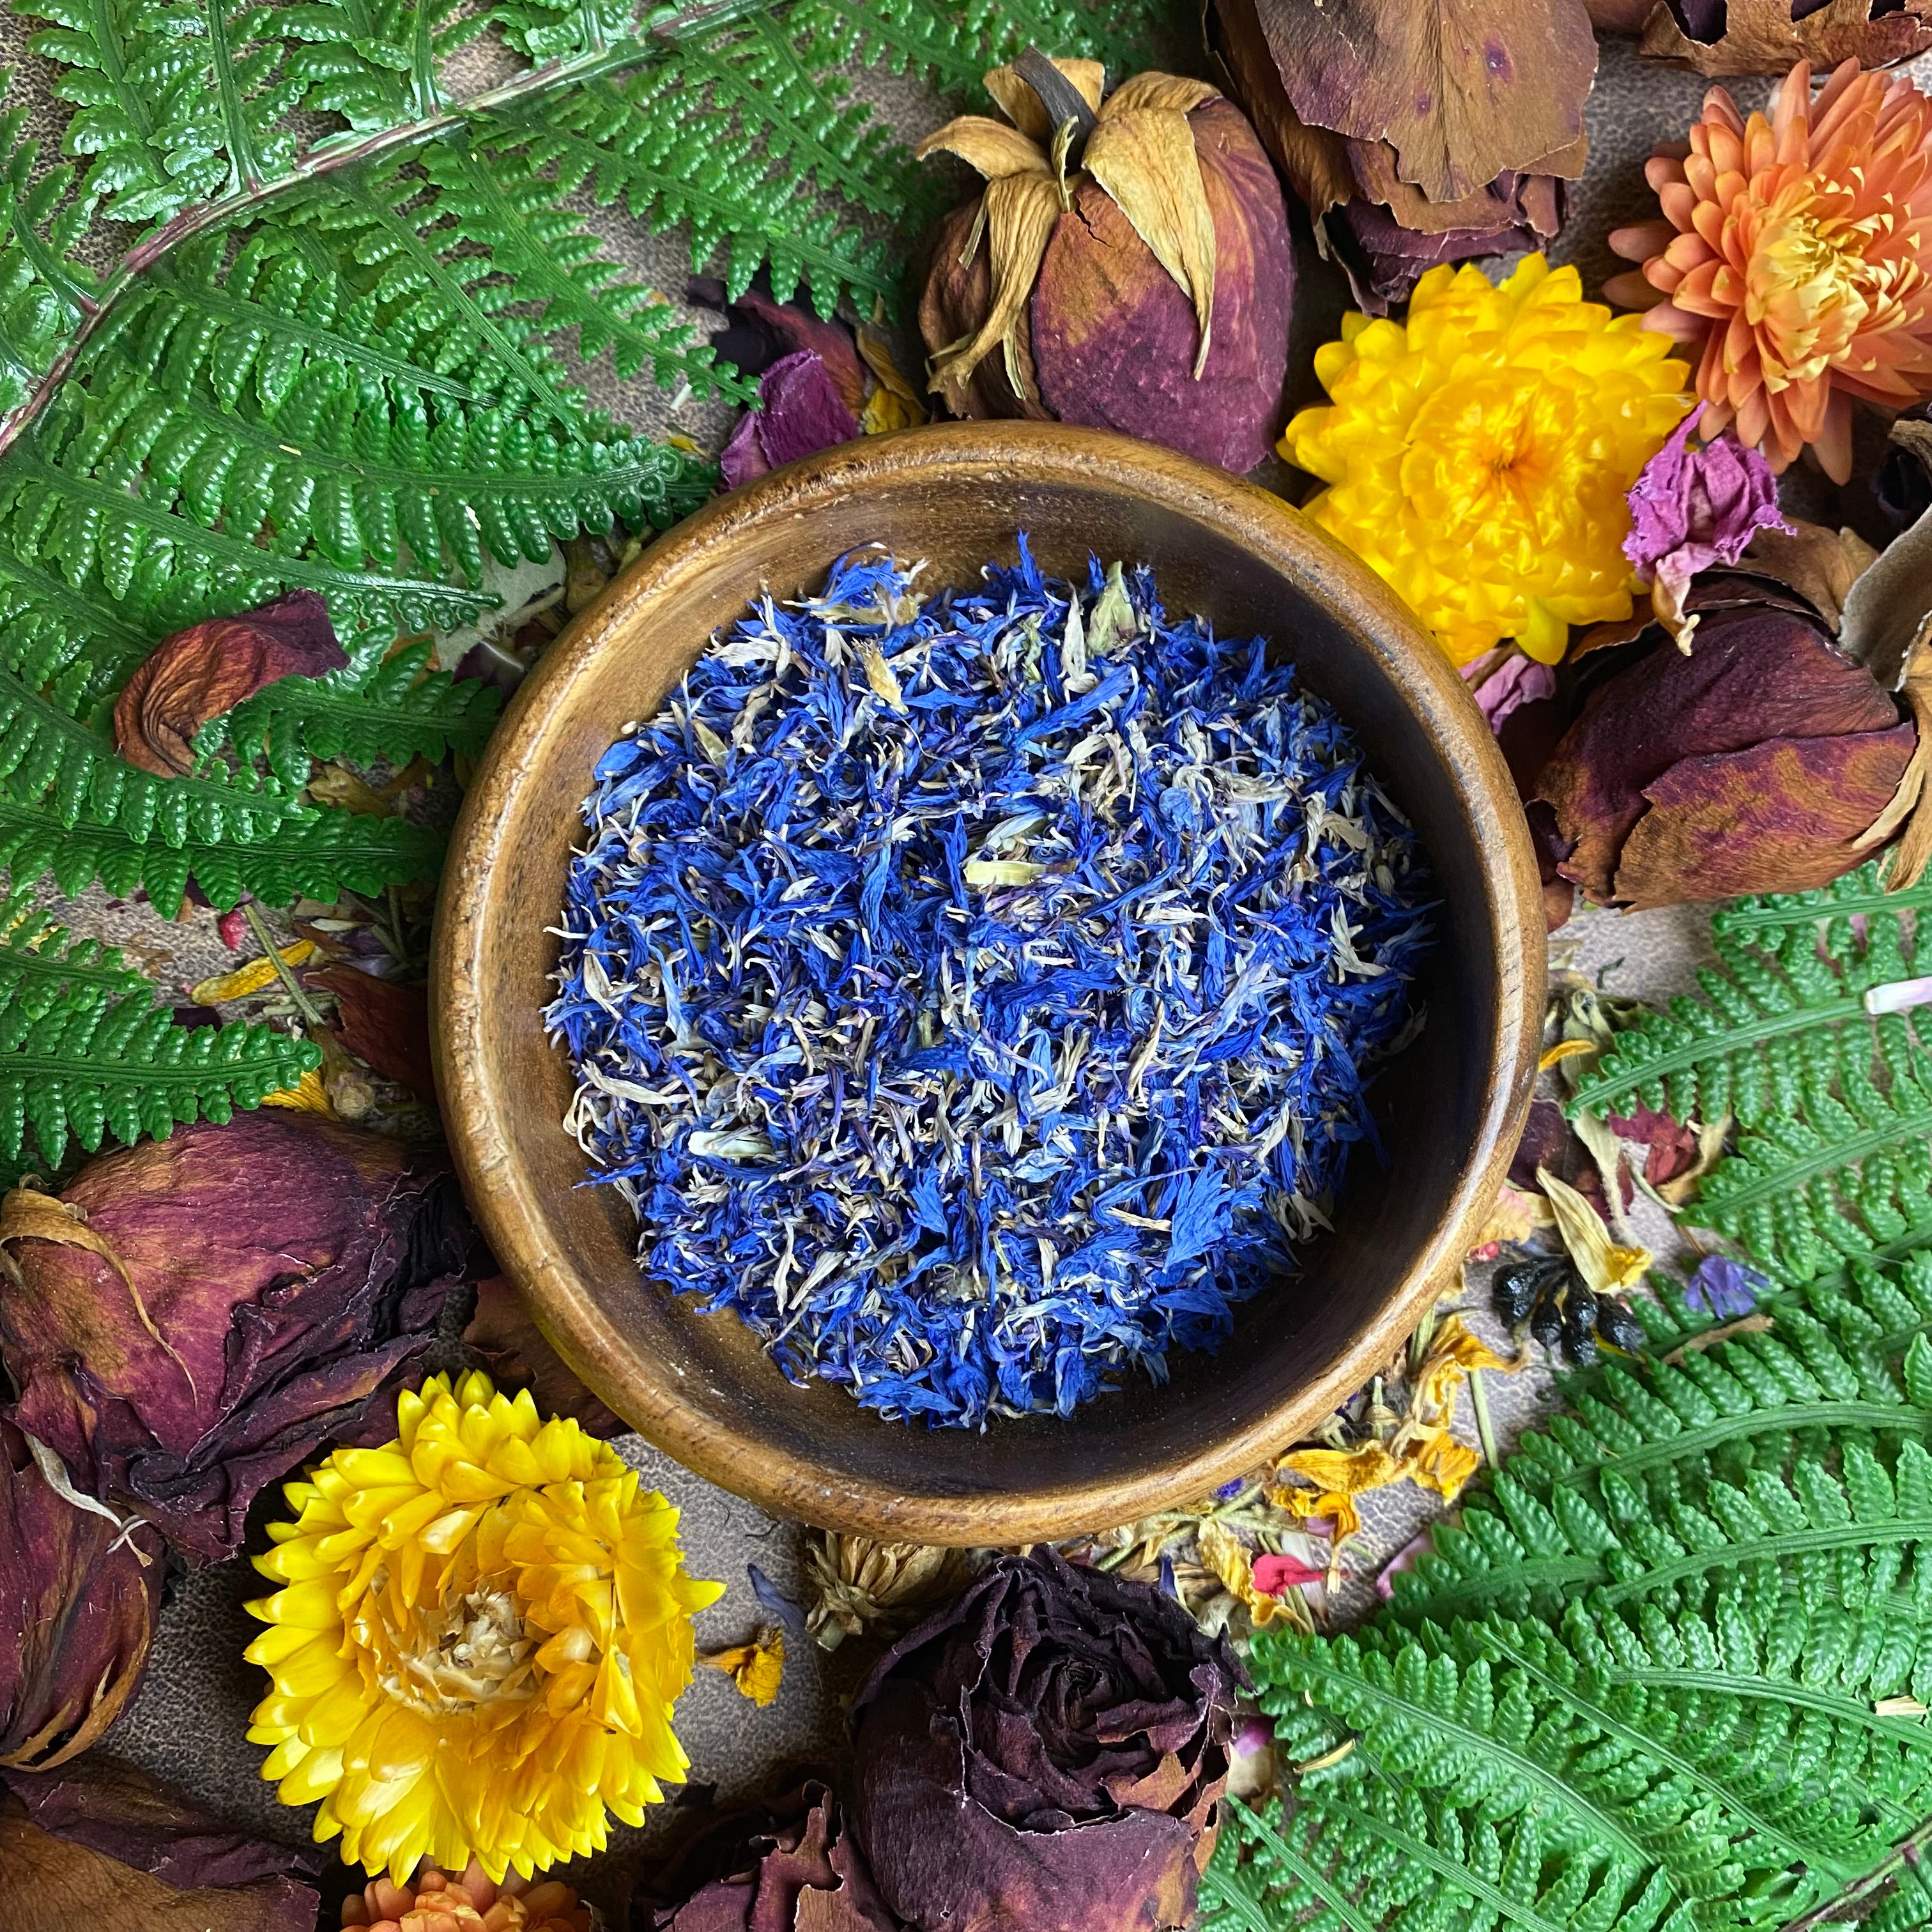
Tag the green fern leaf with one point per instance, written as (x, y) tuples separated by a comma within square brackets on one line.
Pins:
[(89, 1071), (179, 101), (44, 291), (1834, 1109), (650, 143), (40, 966), (385, 704), (377, 66), (318, 857)]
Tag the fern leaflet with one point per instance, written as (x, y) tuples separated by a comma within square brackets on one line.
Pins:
[(43, 292)]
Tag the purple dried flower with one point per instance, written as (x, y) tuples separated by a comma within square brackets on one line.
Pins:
[(1692, 508), (1723, 1289), (1519, 679), (800, 412)]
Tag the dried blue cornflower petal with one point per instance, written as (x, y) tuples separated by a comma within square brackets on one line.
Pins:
[(974, 992)]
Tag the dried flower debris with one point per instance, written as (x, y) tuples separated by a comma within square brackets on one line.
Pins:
[(976, 993)]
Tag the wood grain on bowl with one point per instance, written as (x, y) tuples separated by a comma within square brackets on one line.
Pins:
[(1451, 1105)]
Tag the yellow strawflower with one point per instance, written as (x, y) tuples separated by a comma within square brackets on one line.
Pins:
[(481, 1629), (1478, 453)]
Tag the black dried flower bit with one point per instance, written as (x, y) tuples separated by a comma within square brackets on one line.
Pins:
[(1546, 1295)]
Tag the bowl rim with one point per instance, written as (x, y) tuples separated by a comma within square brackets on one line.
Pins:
[(505, 1205)]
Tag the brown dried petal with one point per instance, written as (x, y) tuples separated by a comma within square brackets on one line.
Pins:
[(115, 1808), (952, 305), (1781, 817), (292, 1268), (1175, 90), (77, 1604), (383, 1023), (1316, 161), (1020, 213), (52, 1885), (1760, 37), (1463, 90), (207, 670), (991, 146)]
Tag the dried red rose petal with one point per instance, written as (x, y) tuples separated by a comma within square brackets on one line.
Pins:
[(205, 671), (280, 1273), (384, 1023), (800, 412), (1752, 765), (77, 1604), (1050, 1750), (793, 1869)]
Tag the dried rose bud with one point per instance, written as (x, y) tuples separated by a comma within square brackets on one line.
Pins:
[(226, 1299), (205, 671), (792, 1869), (1136, 275), (77, 1603), (1755, 764), (1050, 1750)]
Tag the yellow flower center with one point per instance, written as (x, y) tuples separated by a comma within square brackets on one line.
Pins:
[(1485, 453), (1810, 287), (448, 1658)]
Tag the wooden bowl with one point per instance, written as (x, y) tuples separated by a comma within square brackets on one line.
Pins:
[(1452, 1105)]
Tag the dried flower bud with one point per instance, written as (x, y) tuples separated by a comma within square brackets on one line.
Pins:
[(1755, 764), (205, 671), (1050, 1750), (858, 1582), (1139, 278), (195, 1315), (791, 1869), (77, 1603)]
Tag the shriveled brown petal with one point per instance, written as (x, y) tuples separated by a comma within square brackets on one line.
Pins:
[(384, 1023), (206, 671), (1761, 36), (1022, 105), (1145, 160), (990, 145), (1021, 211), (1173, 90)]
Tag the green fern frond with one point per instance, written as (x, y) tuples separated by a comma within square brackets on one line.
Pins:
[(40, 966), (954, 46), (376, 65), (385, 704), (1834, 1109), (44, 291), (179, 101), (88, 1070), (318, 857), (649, 144)]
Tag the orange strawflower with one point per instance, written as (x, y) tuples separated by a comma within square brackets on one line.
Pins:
[(1789, 252)]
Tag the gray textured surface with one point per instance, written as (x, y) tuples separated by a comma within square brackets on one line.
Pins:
[(189, 1721)]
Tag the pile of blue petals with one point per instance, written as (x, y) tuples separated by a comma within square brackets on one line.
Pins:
[(975, 992)]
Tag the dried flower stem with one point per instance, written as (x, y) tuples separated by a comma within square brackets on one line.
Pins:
[(284, 972)]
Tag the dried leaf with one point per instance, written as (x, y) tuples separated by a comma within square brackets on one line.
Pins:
[(1020, 212), (757, 1668), (205, 671), (991, 147), (1760, 37), (1463, 90), (250, 978), (1144, 158)]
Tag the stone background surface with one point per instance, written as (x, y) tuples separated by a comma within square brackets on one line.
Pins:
[(189, 1722)]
